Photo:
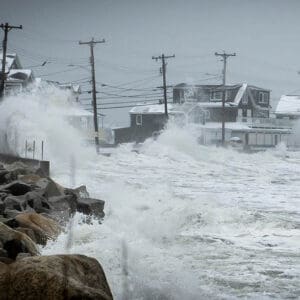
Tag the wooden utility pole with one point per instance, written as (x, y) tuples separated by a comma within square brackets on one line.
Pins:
[(163, 58), (92, 61), (6, 28), (224, 59)]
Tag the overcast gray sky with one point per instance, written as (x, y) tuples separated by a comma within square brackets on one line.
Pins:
[(264, 34)]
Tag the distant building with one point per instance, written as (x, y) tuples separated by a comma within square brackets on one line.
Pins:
[(241, 100), (17, 78), (288, 107)]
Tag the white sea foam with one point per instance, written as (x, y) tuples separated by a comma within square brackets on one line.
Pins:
[(197, 222)]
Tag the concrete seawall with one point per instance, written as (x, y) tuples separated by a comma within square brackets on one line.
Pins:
[(44, 165)]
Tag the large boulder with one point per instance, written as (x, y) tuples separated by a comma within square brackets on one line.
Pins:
[(91, 207), (15, 242), (15, 203), (16, 188), (49, 187), (56, 277), (37, 202), (43, 228)]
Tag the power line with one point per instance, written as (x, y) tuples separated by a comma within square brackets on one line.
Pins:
[(113, 107), (122, 102)]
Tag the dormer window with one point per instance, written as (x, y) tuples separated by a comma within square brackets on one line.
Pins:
[(216, 95), (263, 98)]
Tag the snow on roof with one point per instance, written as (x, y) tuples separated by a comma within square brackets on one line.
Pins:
[(240, 94), (150, 109), (288, 105), (21, 74), (10, 59)]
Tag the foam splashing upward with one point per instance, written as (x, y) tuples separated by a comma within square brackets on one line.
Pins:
[(194, 222), (41, 114)]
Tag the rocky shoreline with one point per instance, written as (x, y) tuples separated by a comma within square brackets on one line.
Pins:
[(33, 210)]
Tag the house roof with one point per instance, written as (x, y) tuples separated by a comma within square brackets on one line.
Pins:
[(288, 105), (217, 86), (19, 74), (11, 58), (150, 109)]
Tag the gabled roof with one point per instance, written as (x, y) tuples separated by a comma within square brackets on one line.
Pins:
[(288, 105), (11, 59), (217, 86), (150, 109), (20, 74)]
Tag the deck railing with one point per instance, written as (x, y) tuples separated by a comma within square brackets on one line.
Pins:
[(266, 122)]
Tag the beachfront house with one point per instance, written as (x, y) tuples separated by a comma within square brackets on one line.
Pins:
[(241, 100), (17, 78)]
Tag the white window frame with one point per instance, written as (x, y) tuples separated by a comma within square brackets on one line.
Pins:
[(263, 98), (212, 92), (139, 120), (212, 95)]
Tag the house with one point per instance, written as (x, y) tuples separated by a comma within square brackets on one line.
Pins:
[(17, 78), (241, 100), (288, 107)]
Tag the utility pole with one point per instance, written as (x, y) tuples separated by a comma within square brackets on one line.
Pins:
[(91, 43), (6, 28), (163, 58), (224, 56)]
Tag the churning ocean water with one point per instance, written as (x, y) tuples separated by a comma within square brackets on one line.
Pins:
[(185, 221)]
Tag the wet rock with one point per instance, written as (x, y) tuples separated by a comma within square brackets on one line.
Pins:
[(43, 228), (16, 188), (22, 255), (10, 213), (91, 206), (63, 206), (27, 231), (15, 203), (54, 277), (37, 202), (81, 192), (49, 187), (15, 242), (3, 253), (29, 179), (2, 207), (3, 174), (7, 261)]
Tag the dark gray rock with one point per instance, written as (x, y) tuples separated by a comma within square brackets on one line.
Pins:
[(11, 213), (16, 188), (2, 207), (15, 203), (3, 174), (91, 206), (49, 187), (37, 202), (3, 253)]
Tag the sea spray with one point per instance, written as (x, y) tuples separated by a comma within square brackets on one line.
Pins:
[(41, 115)]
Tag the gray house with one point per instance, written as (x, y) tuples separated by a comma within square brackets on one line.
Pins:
[(241, 100)]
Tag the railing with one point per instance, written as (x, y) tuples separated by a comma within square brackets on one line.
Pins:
[(266, 122)]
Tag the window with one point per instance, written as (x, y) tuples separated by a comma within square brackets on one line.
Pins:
[(263, 98), (138, 120), (216, 95)]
